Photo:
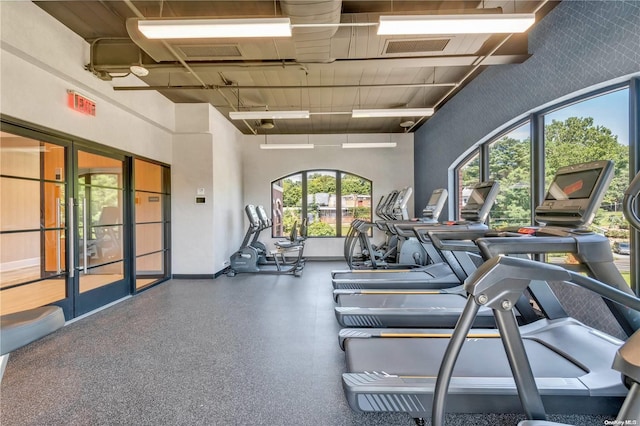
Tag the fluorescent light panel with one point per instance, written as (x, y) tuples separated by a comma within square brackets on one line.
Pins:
[(257, 115), (393, 112), (286, 146), (455, 24), (369, 145), (215, 28)]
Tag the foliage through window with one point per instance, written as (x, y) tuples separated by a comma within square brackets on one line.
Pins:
[(595, 129), (468, 175), (510, 165), (329, 200)]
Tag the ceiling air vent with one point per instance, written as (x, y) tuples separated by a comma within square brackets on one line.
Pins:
[(395, 47), (209, 51)]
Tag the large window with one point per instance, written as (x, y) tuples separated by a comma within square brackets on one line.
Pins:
[(468, 174), (328, 199), (592, 127), (510, 165), (595, 129)]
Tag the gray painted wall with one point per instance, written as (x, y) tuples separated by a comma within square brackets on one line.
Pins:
[(578, 45)]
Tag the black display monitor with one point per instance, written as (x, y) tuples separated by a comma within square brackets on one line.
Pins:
[(480, 201), (575, 194)]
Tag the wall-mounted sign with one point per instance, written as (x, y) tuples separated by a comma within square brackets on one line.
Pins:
[(81, 103)]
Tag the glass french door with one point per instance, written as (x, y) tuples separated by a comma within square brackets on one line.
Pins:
[(74, 229), (33, 227), (99, 270)]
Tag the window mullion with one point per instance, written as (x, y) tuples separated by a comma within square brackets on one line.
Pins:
[(338, 203), (303, 202), (634, 168)]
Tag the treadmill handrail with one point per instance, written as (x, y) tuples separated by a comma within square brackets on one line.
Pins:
[(456, 237), (498, 283), (449, 232), (406, 230), (495, 246)]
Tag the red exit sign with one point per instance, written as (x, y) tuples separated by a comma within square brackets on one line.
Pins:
[(81, 103)]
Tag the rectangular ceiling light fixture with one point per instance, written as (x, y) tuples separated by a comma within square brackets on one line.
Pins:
[(392, 112), (369, 145), (274, 115), (215, 28), (456, 24), (286, 146)]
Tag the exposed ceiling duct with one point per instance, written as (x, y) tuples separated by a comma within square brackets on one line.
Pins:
[(334, 62), (313, 44)]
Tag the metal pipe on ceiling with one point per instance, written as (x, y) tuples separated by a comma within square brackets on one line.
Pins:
[(287, 87), (477, 64), (139, 14)]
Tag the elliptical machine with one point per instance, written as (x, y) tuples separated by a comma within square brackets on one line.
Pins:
[(253, 259)]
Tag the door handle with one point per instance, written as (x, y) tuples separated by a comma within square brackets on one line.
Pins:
[(58, 236), (72, 242), (85, 229)]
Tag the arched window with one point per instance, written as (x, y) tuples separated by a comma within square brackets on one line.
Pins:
[(592, 126), (328, 199)]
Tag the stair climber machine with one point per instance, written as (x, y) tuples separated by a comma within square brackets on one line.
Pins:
[(382, 255), (248, 258), (397, 370), (439, 274), (408, 251), (358, 258)]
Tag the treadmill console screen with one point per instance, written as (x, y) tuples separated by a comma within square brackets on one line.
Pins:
[(434, 198), (575, 194), (480, 202), (572, 186), (435, 204), (478, 196)]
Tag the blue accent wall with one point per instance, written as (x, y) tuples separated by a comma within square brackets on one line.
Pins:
[(577, 45)]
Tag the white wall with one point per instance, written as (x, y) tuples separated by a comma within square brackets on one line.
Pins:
[(388, 168), (206, 155), (40, 59)]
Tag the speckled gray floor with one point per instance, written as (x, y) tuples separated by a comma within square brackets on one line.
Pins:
[(253, 349)]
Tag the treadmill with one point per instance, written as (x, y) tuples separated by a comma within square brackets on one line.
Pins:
[(496, 286), (436, 275), (395, 370), (398, 308)]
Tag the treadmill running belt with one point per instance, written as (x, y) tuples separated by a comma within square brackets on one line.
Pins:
[(478, 358)]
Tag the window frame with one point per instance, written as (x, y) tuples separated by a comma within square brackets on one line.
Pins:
[(535, 117), (304, 205)]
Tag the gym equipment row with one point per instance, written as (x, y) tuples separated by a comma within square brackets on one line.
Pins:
[(529, 334)]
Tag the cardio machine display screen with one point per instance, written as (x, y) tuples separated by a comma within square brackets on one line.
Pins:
[(478, 196), (573, 186), (434, 198)]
